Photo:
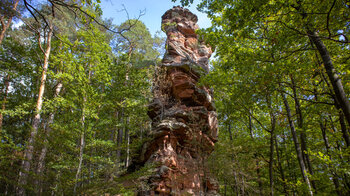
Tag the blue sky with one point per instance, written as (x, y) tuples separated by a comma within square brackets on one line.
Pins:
[(154, 9)]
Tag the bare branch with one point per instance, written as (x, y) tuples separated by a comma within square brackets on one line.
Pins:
[(79, 8), (29, 7), (328, 14)]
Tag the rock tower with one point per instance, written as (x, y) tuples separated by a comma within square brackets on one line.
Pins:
[(184, 121)]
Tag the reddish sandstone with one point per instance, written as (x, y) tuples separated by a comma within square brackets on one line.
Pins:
[(184, 121)]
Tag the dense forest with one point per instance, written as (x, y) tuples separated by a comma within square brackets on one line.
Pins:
[(74, 91)]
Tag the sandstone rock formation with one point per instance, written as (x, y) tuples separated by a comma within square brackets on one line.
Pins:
[(184, 121)]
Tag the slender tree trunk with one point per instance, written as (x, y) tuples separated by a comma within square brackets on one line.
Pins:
[(344, 129), (341, 114), (119, 143), (345, 177), (260, 184), (300, 123), (6, 25), (243, 186), (82, 137), (225, 188), (272, 138), (250, 126), (81, 153), (41, 160), (327, 145), (57, 177), (332, 75), (127, 137), (236, 187), (230, 132), (292, 174), (297, 144), (280, 166), (271, 161), (3, 107), (28, 152)]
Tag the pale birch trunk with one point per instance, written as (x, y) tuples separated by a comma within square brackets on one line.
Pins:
[(41, 161), (29, 150), (82, 140), (127, 137)]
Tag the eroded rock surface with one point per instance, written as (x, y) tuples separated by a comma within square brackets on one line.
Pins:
[(184, 121)]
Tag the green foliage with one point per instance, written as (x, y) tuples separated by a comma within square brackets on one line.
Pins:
[(260, 46), (184, 2), (105, 90), (262, 52)]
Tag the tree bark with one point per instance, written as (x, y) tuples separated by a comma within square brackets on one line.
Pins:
[(127, 137), (280, 166), (230, 132), (81, 151), (331, 72), (119, 143), (344, 129), (3, 107), (41, 160), (272, 137), (300, 123), (341, 114), (250, 126), (271, 156), (297, 144), (327, 145), (28, 152), (288, 158), (82, 137)]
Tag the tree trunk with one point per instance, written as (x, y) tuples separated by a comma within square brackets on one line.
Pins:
[(300, 123), (3, 107), (127, 137), (272, 137), (331, 72), (258, 173), (81, 153), (82, 138), (345, 177), (341, 114), (296, 144), (291, 174), (344, 129), (41, 160), (280, 166), (250, 125), (230, 132), (271, 159), (28, 152), (327, 145), (119, 143)]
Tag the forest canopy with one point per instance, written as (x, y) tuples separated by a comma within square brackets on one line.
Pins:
[(74, 90)]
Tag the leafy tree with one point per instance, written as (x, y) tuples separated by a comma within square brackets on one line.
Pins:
[(297, 50)]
